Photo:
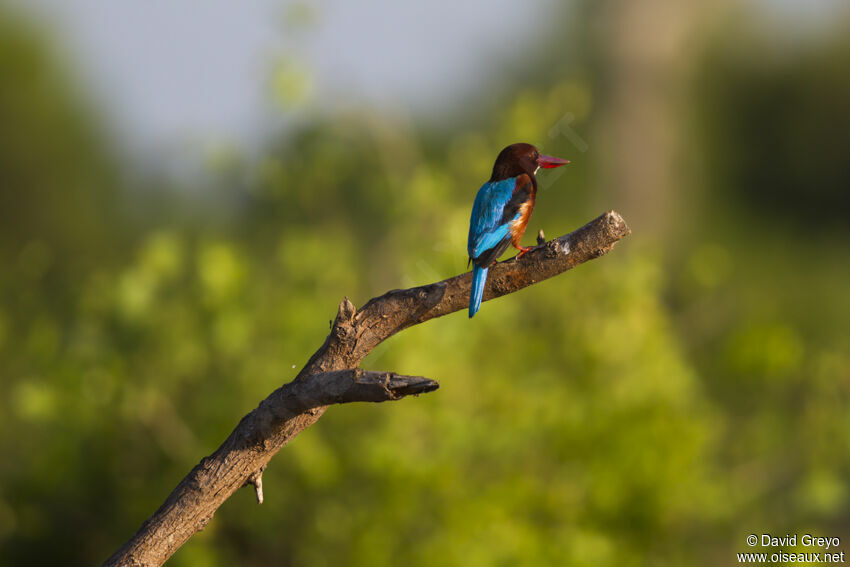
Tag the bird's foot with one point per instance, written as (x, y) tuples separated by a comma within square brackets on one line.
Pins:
[(522, 251)]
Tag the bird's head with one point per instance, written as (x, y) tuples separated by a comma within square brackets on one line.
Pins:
[(521, 158)]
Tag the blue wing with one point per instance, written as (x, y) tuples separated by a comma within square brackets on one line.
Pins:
[(487, 227)]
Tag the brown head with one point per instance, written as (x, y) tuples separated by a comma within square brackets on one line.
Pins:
[(521, 158)]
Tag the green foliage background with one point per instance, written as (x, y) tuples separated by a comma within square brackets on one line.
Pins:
[(650, 408)]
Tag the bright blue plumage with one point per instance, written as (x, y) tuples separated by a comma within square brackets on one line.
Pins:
[(487, 230), (501, 211), (479, 277)]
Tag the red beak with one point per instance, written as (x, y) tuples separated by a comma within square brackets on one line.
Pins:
[(549, 162)]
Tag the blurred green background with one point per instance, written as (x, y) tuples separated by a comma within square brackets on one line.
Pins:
[(653, 407)]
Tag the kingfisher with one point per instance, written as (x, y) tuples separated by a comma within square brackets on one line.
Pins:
[(501, 211)]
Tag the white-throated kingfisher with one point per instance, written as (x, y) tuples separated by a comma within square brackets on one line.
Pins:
[(501, 211)]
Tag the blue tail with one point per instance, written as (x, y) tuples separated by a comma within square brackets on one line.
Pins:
[(479, 277)]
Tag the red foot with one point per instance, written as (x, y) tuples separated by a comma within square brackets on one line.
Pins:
[(522, 251)]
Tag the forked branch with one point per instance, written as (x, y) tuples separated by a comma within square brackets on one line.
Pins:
[(332, 376)]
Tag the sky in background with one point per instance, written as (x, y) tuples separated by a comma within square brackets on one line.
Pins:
[(172, 74)]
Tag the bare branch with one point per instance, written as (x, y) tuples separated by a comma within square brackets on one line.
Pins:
[(244, 455), (331, 376)]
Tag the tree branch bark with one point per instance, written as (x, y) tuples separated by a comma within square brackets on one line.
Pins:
[(331, 376)]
